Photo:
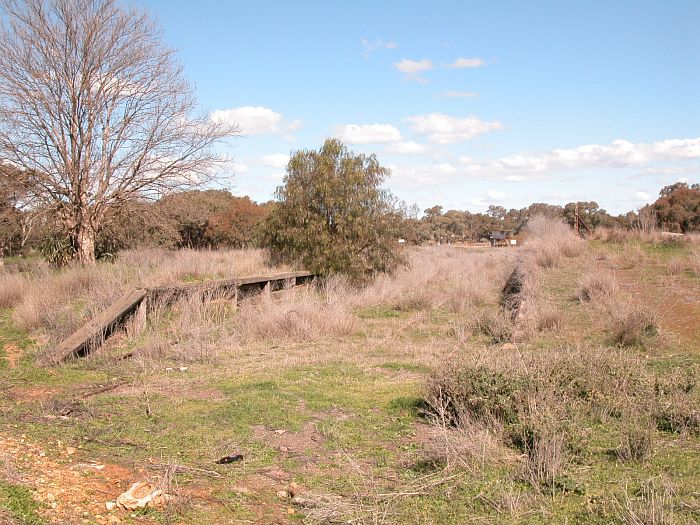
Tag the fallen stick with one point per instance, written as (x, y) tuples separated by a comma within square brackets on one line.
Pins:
[(183, 469)]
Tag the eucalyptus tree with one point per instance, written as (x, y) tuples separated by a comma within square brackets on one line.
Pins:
[(96, 112)]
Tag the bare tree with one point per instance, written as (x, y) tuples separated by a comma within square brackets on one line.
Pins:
[(96, 111)]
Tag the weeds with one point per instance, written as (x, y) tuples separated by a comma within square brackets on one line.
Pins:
[(636, 440), (632, 323), (598, 285), (675, 266), (545, 451), (498, 325), (298, 316), (652, 504)]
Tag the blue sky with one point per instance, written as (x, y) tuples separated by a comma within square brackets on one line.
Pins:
[(468, 103)]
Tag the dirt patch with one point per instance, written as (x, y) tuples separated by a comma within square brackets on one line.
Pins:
[(36, 394), (288, 442), (70, 486)]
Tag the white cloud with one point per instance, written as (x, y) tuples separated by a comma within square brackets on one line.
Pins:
[(378, 43), (642, 196), (368, 133), (256, 120), (406, 148), (444, 129), (239, 168), (618, 154), (458, 94), (275, 160), (421, 177), (496, 196), (462, 63), (413, 67)]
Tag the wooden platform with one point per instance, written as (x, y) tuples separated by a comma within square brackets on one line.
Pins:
[(97, 330)]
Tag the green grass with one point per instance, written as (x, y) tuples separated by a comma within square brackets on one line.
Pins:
[(17, 502)]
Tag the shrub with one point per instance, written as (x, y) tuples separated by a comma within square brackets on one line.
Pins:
[(635, 440), (474, 394), (632, 323), (544, 446), (596, 285), (498, 325)]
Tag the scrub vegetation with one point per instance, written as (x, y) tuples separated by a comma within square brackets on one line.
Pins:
[(472, 385)]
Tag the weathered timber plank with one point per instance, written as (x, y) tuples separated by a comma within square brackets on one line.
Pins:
[(96, 330)]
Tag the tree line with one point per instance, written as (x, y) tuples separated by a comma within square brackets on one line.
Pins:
[(213, 219)]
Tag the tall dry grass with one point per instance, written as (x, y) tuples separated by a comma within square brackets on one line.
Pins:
[(300, 314), (455, 279), (56, 302), (549, 239)]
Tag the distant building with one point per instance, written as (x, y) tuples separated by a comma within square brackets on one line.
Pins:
[(502, 238)]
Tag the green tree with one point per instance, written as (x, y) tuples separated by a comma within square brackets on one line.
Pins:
[(678, 208), (331, 215)]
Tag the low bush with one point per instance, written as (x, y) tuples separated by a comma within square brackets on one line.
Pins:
[(544, 445), (543, 401), (635, 440), (497, 325), (632, 323), (598, 285), (459, 394)]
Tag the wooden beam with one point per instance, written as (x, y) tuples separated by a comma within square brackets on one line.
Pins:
[(98, 329)]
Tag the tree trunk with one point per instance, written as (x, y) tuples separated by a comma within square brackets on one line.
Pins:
[(85, 240)]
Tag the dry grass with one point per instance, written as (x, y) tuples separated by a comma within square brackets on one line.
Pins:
[(651, 236), (57, 302), (498, 325), (452, 278), (548, 240), (651, 505), (299, 315), (544, 317), (636, 439), (12, 289), (676, 266), (630, 322), (596, 286), (694, 262), (544, 445)]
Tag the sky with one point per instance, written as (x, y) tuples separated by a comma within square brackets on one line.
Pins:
[(467, 103)]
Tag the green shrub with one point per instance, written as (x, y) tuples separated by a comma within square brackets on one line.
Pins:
[(475, 394)]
